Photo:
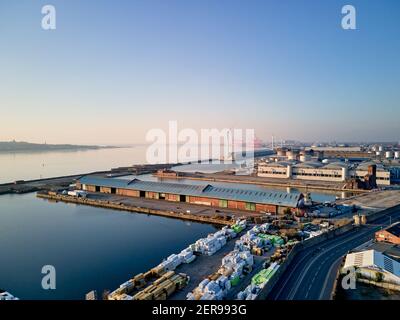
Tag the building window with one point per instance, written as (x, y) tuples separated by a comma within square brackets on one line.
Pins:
[(223, 203), (250, 206)]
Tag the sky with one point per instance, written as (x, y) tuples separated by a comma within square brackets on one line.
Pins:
[(113, 70)]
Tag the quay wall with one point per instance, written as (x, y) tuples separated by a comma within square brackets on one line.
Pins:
[(120, 206)]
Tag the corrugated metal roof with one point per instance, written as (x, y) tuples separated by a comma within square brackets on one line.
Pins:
[(372, 259), (256, 196)]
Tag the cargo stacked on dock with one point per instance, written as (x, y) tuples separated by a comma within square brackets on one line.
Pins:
[(258, 241), (166, 281), (160, 289), (234, 266), (163, 287), (214, 242), (258, 282)]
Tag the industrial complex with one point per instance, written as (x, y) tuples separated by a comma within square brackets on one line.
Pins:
[(350, 165)]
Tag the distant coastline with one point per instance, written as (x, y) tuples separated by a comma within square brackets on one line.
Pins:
[(21, 146)]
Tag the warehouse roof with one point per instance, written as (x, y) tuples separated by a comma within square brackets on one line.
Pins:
[(366, 164), (309, 164), (283, 164), (336, 165), (372, 259), (256, 196)]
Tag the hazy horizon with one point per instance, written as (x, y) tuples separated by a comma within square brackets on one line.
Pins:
[(111, 71)]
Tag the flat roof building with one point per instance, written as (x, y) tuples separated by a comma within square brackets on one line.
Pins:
[(370, 262)]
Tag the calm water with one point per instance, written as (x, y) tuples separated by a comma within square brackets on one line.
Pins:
[(36, 165), (91, 248)]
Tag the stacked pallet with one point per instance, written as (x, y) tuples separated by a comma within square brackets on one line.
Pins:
[(163, 287)]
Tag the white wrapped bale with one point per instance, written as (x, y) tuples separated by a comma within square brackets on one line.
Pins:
[(190, 296)]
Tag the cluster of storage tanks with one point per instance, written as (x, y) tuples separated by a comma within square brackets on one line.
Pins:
[(388, 154), (302, 156)]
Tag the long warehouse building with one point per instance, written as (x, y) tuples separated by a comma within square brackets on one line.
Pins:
[(208, 195)]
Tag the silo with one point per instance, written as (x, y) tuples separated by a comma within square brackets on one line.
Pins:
[(389, 154), (281, 152), (380, 148), (305, 157), (397, 154), (291, 155)]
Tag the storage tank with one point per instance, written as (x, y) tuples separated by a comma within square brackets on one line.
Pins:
[(397, 154), (389, 154), (291, 155), (325, 161), (378, 153), (305, 157), (380, 148), (281, 152)]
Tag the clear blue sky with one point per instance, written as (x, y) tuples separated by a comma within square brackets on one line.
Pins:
[(114, 69)]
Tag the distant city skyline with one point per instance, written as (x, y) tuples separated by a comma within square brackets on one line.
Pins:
[(113, 70)]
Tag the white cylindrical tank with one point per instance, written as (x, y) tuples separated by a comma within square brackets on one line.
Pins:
[(380, 148), (305, 157), (378, 153), (291, 155), (397, 154), (389, 154), (325, 161), (281, 152)]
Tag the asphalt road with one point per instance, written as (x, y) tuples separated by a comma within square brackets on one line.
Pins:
[(311, 274)]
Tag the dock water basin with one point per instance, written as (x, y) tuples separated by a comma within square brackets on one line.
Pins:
[(90, 247)]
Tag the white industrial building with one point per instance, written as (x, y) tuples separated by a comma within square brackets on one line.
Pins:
[(318, 171), (370, 262)]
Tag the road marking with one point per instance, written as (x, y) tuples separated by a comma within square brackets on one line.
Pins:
[(343, 242), (327, 278)]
